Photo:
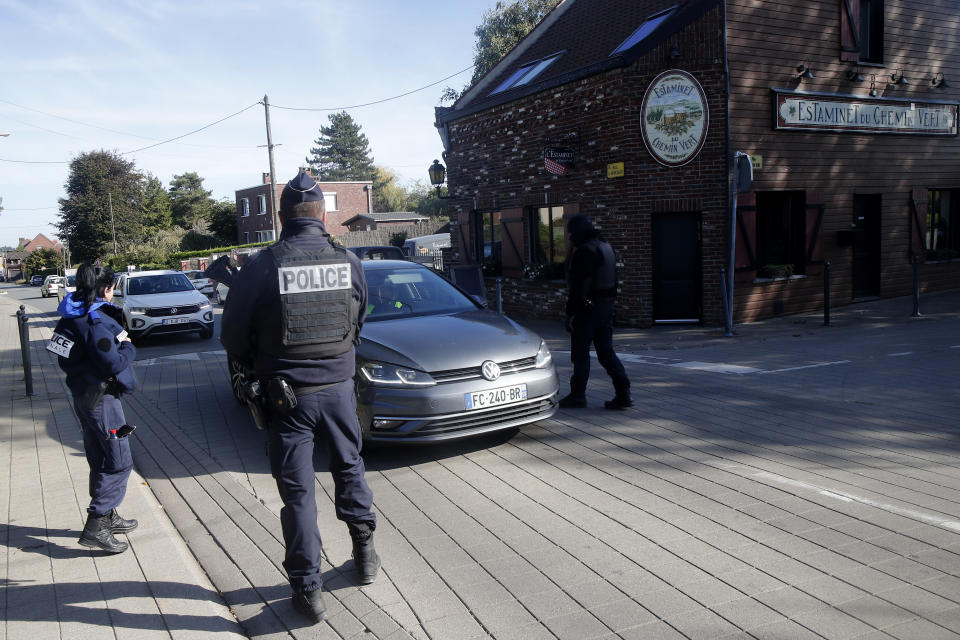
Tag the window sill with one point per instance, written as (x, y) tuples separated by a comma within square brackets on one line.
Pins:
[(766, 280), (947, 261)]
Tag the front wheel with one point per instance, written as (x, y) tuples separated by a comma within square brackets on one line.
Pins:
[(207, 332)]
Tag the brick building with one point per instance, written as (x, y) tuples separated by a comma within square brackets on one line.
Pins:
[(344, 201), (632, 111)]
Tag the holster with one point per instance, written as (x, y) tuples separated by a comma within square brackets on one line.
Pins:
[(282, 397), (257, 404), (92, 395)]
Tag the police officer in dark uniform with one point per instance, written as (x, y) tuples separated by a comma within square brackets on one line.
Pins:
[(97, 356), (592, 287), (299, 311)]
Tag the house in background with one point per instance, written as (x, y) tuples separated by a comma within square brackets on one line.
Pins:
[(372, 221), (39, 242), (344, 200), (632, 111)]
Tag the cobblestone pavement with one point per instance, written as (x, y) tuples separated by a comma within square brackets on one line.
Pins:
[(793, 481)]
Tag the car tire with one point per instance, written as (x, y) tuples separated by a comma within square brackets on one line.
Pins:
[(238, 378), (207, 332)]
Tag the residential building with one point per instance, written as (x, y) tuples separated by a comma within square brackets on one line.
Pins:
[(344, 200), (372, 221), (634, 111)]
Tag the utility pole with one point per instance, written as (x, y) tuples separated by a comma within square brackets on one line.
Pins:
[(113, 229), (273, 172)]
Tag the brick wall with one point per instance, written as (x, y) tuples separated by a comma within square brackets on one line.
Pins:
[(495, 162)]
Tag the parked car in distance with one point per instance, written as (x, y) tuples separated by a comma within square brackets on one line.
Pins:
[(69, 285), (160, 302), (378, 253), (201, 283), (50, 285), (433, 365), (425, 245), (36, 280)]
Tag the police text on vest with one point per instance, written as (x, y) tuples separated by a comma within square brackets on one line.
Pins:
[(60, 345), (314, 277)]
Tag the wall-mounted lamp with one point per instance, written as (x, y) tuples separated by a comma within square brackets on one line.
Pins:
[(897, 78), (674, 52), (804, 73), (938, 80), (854, 75), (873, 86), (437, 174)]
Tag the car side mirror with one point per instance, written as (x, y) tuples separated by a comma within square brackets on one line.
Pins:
[(479, 300)]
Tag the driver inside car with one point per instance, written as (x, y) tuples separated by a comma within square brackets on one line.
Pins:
[(386, 300)]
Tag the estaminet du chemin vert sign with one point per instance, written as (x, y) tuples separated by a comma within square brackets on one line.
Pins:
[(675, 118)]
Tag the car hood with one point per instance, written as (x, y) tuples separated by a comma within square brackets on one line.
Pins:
[(174, 299), (438, 343)]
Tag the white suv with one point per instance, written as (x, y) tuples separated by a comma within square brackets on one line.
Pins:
[(156, 302)]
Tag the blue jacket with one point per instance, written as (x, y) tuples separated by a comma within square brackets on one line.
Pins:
[(96, 355), (255, 294)]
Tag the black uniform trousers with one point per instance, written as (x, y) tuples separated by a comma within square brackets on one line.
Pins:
[(595, 326), (329, 415), (109, 459)]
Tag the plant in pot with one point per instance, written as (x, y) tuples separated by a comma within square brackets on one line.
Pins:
[(775, 271)]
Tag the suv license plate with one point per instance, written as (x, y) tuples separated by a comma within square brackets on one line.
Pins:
[(495, 397), (175, 321)]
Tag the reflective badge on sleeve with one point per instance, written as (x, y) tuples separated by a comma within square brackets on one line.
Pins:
[(314, 277), (60, 345)]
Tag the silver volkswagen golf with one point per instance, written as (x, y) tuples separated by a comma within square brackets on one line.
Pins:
[(433, 364)]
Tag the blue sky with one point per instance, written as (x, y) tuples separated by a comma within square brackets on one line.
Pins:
[(121, 75)]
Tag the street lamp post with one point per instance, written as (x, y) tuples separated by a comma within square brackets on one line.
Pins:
[(437, 174)]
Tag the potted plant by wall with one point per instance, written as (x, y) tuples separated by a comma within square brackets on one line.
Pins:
[(775, 271)]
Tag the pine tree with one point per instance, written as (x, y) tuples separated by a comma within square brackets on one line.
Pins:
[(342, 151)]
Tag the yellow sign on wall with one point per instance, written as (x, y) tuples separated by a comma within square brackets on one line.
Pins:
[(757, 162), (615, 170)]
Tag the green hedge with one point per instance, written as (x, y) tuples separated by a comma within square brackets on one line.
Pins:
[(175, 258)]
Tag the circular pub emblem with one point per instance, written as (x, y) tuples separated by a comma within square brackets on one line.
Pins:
[(675, 118)]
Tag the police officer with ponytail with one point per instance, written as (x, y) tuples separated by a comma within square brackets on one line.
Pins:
[(293, 319), (97, 356)]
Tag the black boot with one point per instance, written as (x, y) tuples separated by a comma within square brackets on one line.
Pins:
[(311, 604), (365, 557), (572, 401), (620, 401), (121, 525), (97, 533)]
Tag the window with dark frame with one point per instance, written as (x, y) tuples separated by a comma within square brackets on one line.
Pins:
[(781, 233), (487, 241), (871, 31), (942, 238), (547, 242)]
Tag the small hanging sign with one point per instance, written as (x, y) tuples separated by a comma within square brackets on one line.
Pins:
[(557, 160)]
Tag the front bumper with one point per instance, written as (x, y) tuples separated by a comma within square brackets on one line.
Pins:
[(437, 413)]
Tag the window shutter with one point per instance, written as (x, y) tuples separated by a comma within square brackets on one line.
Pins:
[(512, 259), (919, 199), (745, 261), (814, 226), (465, 236), (850, 30)]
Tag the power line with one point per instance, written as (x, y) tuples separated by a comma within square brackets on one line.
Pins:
[(367, 104), (151, 146), (36, 161), (85, 124)]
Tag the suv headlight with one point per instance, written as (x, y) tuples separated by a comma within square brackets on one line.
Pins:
[(205, 304), (379, 373), (543, 356), (138, 309)]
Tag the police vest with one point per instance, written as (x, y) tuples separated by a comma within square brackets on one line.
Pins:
[(317, 308), (605, 279)]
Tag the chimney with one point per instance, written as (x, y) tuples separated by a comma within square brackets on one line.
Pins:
[(266, 178)]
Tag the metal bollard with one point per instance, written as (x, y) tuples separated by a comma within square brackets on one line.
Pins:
[(727, 317), (826, 293), (24, 328), (916, 287), (499, 282)]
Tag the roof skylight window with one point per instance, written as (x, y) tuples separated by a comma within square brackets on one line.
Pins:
[(645, 29), (526, 73)]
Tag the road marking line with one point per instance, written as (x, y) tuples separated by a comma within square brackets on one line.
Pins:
[(716, 367), (808, 366), (901, 353), (939, 521)]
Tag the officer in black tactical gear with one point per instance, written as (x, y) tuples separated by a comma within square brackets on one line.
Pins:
[(296, 319), (592, 287)]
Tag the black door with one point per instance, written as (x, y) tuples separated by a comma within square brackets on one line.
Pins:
[(676, 267), (866, 245)]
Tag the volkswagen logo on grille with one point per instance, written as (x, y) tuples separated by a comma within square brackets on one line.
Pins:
[(173, 311), (490, 370)]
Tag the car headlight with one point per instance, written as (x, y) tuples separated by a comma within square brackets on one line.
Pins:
[(138, 309), (205, 304), (379, 373), (543, 355)]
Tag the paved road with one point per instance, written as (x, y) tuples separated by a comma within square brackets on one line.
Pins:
[(793, 482)]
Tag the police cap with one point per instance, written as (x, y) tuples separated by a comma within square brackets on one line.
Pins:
[(301, 189)]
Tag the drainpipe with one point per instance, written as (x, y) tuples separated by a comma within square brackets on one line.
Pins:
[(369, 189), (732, 212)]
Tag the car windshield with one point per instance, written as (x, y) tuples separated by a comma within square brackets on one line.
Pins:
[(194, 275), (394, 293), (166, 283), (71, 281)]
